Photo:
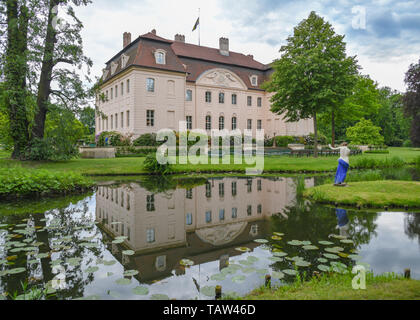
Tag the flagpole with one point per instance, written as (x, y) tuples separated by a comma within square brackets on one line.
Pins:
[(199, 28)]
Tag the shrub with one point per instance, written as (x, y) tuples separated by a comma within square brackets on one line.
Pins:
[(53, 148), (133, 152), (269, 142), (115, 139), (152, 165), (310, 139), (369, 163), (26, 182), (407, 144), (283, 141), (146, 140), (365, 133)]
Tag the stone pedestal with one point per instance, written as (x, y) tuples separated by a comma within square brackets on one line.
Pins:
[(97, 153)]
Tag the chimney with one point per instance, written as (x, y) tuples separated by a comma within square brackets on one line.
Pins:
[(180, 38), (126, 39), (224, 46), (154, 31), (251, 56)]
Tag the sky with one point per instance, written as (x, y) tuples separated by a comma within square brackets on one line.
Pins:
[(384, 34)]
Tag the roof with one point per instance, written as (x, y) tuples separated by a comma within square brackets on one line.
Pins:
[(186, 58)]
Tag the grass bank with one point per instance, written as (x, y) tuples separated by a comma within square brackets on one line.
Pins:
[(22, 182), (339, 287), (272, 164), (374, 194)]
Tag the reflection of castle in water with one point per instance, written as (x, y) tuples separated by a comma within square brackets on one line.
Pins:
[(203, 223)]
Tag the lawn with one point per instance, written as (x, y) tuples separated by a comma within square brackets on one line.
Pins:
[(339, 287), (369, 193), (133, 166)]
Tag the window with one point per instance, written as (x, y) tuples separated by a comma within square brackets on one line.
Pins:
[(128, 86), (208, 97), (249, 210), (208, 122), (150, 118), (112, 93), (188, 95), (259, 102), (234, 123), (208, 190), (171, 87), (259, 124), (221, 123), (234, 189), (234, 213), (189, 122), (188, 219), (116, 91), (189, 194), (222, 214), (221, 97), (122, 119), (150, 84), (234, 99), (122, 88), (107, 124), (116, 121), (160, 57), (128, 202), (122, 199), (249, 186), (249, 124), (259, 209), (150, 203), (112, 122), (249, 101), (259, 185), (128, 118), (106, 94), (150, 235), (99, 124), (208, 216), (254, 81), (221, 190)]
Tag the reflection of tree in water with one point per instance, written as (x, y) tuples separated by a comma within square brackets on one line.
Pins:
[(412, 226)]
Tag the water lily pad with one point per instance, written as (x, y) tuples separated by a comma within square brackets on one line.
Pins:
[(249, 270), (238, 279), (260, 240), (302, 263), (123, 281), (278, 234), (277, 238), (354, 257), (323, 267), (343, 255), (208, 291), (16, 270), (347, 241), (295, 243), (330, 256), (3, 262), (334, 250), (279, 254), (228, 270), (109, 263), (90, 245), (91, 269), (218, 277), (109, 274), (290, 272), (159, 297), (243, 249), (128, 252), (130, 273), (42, 255), (262, 271), (246, 262), (322, 260), (277, 275), (337, 236), (186, 262), (310, 247), (276, 259), (140, 291), (74, 262), (252, 258), (117, 241), (306, 243)]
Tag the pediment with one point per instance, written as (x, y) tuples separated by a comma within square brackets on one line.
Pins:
[(221, 78)]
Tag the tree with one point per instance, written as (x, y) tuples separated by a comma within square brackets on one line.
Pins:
[(313, 75), (412, 101), (87, 118), (365, 133)]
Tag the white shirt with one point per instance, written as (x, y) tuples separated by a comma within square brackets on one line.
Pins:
[(344, 153)]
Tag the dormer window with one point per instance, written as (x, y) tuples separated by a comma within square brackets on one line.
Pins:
[(254, 80), (113, 67), (124, 60), (160, 57)]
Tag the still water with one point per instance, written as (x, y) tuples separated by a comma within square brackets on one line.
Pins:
[(154, 239)]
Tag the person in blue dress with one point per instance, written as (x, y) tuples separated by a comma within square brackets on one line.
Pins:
[(343, 164)]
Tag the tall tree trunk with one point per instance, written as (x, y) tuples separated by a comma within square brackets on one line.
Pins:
[(333, 129), (44, 86), (15, 75), (315, 137)]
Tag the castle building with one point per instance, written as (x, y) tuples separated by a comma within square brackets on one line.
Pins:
[(155, 83)]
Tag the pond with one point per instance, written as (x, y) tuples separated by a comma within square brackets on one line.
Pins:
[(146, 239)]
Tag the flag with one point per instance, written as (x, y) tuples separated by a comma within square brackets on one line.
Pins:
[(196, 24)]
